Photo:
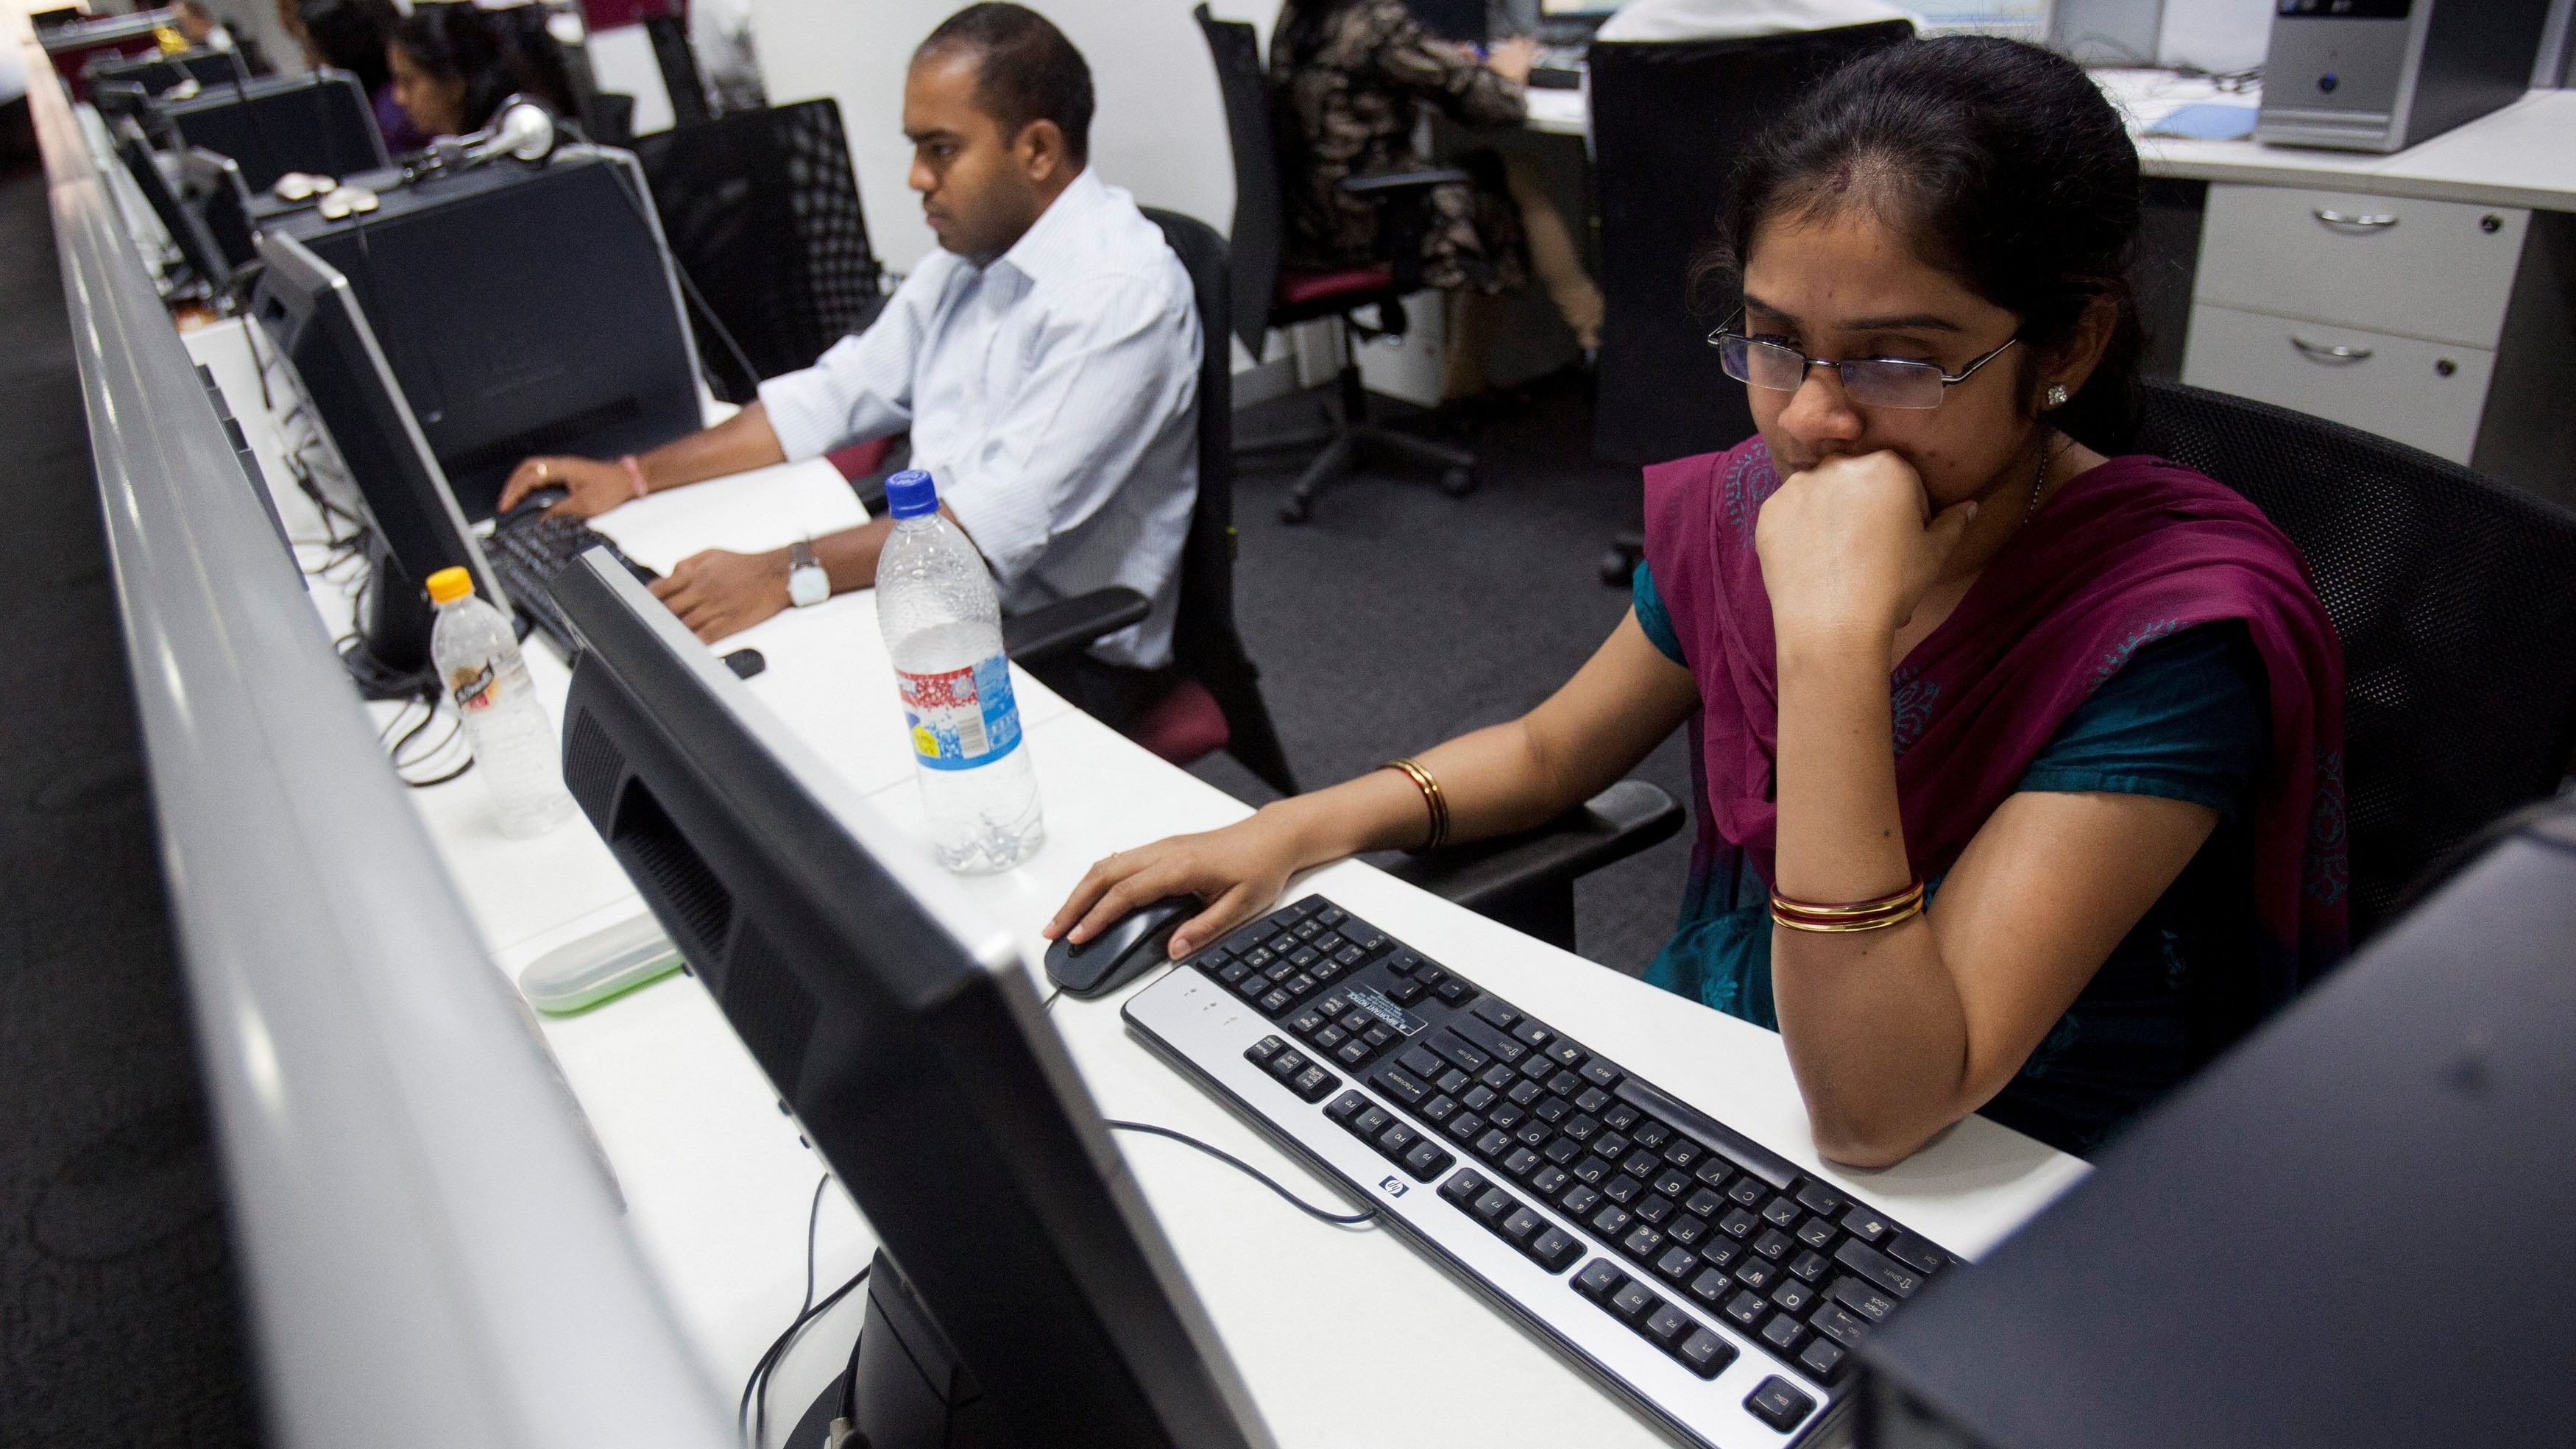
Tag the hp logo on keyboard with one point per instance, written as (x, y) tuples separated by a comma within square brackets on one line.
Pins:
[(1391, 1186)]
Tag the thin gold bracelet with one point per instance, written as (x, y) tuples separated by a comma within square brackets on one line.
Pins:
[(1911, 895), (1431, 797), (1894, 917)]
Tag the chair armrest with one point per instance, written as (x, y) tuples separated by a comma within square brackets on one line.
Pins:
[(1060, 628), (1401, 181), (1611, 826)]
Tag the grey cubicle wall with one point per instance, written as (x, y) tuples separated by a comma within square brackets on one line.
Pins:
[(431, 1253)]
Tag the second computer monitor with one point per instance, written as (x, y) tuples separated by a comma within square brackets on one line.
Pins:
[(912, 1047), (320, 123), (524, 311)]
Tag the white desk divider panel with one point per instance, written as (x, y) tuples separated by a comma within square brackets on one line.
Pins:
[(430, 1248)]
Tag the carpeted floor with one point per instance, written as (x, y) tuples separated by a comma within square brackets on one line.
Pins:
[(1397, 617), (119, 1321)]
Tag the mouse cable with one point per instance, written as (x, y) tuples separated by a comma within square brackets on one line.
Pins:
[(751, 1414), (1345, 1220)]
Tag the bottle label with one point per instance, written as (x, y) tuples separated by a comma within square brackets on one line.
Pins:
[(475, 691), (963, 717)]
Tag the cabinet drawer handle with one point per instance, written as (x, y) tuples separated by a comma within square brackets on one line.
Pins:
[(2324, 352), (2361, 221)]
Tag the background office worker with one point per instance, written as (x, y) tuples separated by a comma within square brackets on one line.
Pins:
[(1930, 636), (1045, 359), (453, 63)]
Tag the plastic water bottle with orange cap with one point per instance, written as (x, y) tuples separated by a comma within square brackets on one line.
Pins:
[(486, 678)]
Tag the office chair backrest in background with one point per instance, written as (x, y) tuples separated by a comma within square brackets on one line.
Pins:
[(678, 62), (2455, 597), (1260, 214), (1206, 643), (762, 210), (1669, 121)]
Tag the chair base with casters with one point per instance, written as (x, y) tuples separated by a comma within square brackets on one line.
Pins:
[(1348, 434)]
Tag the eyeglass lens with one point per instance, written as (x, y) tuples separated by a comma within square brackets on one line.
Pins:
[(1873, 382)]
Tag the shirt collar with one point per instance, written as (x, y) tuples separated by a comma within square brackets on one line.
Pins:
[(1050, 240)]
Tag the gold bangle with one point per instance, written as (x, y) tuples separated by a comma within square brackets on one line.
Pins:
[(1896, 916), (1911, 895), (1431, 797)]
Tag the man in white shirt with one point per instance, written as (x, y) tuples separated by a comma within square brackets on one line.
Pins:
[(1044, 359)]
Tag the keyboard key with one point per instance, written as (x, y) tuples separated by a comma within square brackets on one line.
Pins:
[(1353, 1053), (1671, 1183), (1746, 1308), (1307, 1022), (1346, 1106), (1641, 1244), (1400, 1084), (1549, 1180), (1758, 1274), (1568, 1054), (1622, 1189), (1522, 1163), (1371, 1121), (1686, 1230), (1599, 1279), (1794, 1296), (1419, 1061), (1232, 972), (1822, 1358), (1430, 975), (1668, 1326), (1633, 1301), (1477, 1099), (1495, 1145), (1704, 1353), (1916, 1252), (1784, 1333), (1465, 1187), (1830, 1320), (1683, 1153), (1712, 1172), (1676, 1264), (1497, 1013), (1603, 1075), (1377, 1036), (1815, 1197), (1262, 1051), (1878, 1268), (1462, 1053), (1426, 1161), (1404, 963), (1579, 1199), (1580, 1127), (1314, 1084), (1703, 1204), (1865, 1223), (1521, 1225), (1650, 1133), (1780, 1212), (1273, 1002), (1494, 1205), (1639, 1164), (1611, 1221), (1455, 991), (1592, 1170), (1720, 1252), (1816, 1233), (1738, 1224), (1525, 1093), (1405, 992), (1330, 1038), (1653, 1208), (1397, 1141), (1438, 1109), (1464, 1127), (1550, 1108), (1454, 1082), (1621, 1116), (1711, 1286), (1748, 1191), (1779, 1404), (1554, 1248), (1810, 1265), (1508, 1116), (1862, 1299), (1774, 1244)]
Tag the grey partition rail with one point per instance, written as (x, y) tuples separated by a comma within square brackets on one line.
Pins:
[(431, 1253)]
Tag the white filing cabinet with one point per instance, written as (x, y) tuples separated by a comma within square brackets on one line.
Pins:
[(2384, 313)]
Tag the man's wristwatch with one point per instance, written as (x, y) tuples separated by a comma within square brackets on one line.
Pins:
[(807, 584)]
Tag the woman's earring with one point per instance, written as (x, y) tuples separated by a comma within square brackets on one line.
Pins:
[(2057, 394)]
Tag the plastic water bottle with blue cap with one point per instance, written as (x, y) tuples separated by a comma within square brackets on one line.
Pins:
[(943, 626)]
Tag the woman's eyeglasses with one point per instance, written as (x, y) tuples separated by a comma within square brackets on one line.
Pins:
[(1879, 382)]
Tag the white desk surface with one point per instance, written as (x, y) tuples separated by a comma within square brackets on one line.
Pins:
[(2522, 155), (717, 1182)]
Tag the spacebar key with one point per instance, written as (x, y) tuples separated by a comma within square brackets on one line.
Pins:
[(1754, 1158)]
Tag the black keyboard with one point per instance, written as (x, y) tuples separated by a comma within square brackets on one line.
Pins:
[(527, 553), (1699, 1273)]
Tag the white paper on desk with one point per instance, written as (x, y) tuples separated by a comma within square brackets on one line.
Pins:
[(2215, 35)]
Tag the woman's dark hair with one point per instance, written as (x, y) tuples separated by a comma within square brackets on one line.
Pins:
[(496, 54), (1303, 25), (350, 35), (2005, 167), (1025, 70)]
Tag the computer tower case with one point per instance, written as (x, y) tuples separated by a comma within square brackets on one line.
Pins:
[(2383, 75)]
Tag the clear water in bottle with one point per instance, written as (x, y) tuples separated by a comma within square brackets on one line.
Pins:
[(486, 678), (943, 627)]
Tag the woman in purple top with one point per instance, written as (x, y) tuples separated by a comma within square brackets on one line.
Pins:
[(2019, 762), (351, 35)]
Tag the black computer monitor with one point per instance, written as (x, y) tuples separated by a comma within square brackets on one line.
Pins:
[(910, 1043), (211, 187), (1461, 20), (525, 310), (385, 475), (320, 123), (198, 252), (157, 73)]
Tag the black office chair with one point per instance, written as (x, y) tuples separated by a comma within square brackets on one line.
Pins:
[(761, 210), (1669, 121), (2455, 597), (1265, 296), (678, 62)]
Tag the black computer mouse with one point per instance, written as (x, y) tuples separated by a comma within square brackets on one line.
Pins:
[(1118, 955), (534, 504)]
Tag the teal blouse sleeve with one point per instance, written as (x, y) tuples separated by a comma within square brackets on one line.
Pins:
[(2187, 718), (1652, 616)]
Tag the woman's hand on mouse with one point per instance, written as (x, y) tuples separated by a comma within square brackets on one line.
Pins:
[(594, 487), (1850, 546), (1238, 871)]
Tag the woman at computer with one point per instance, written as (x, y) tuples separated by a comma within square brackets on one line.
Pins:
[(2019, 764), (454, 62), (350, 35), (1351, 74)]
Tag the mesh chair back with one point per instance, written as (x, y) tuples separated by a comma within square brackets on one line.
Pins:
[(2455, 597), (1260, 220), (1205, 641), (1669, 121), (762, 211)]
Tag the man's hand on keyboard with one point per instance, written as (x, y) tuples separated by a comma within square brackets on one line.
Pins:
[(717, 593), (595, 487)]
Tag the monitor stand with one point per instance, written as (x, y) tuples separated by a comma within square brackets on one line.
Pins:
[(389, 658), (912, 1391)]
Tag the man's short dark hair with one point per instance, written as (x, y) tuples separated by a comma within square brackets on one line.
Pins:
[(1025, 70)]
